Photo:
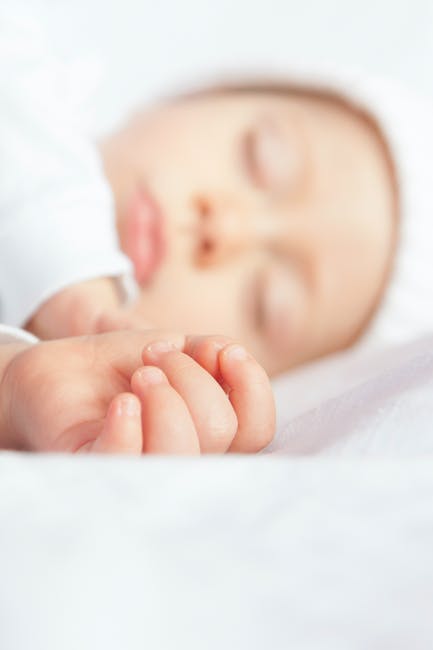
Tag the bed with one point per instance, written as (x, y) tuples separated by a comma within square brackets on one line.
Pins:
[(322, 541)]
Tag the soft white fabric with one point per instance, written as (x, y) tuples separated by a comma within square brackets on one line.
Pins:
[(245, 553), (307, 388), (56, 210), (10, 334), (375, 404)]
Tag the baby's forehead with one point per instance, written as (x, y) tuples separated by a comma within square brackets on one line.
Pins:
[(226, 95), (239, 106)]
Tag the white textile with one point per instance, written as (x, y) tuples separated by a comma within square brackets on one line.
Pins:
[(236, 553), (378, 404), (11, 334), (56, 211)]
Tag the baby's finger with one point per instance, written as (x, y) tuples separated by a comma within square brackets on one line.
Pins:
[(167, 424), (211, 411), (251, 396), (121, 432), (205, 350)]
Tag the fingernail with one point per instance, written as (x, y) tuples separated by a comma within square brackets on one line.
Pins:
[(158, 348), (128, 406), (192, 343), (219, 345), (150, 375), (236, 352)]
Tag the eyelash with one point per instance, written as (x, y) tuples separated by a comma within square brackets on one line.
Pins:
[(258, 305), (250, 161)]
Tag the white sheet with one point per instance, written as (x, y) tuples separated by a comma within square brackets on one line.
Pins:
[(220, 553), (263, 552), (375, 403)]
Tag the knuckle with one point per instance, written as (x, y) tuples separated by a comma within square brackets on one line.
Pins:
[(219, 340), (178, 365), (221, 426), (205, 346)]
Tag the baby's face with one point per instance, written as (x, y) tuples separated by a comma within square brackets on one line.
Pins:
[(270, 219)]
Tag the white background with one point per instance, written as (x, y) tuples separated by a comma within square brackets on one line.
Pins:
[(147, 45)]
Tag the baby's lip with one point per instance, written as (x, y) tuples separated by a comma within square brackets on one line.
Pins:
[(144, 241)]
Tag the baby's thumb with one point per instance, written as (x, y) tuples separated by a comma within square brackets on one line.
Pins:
[(121, 432)]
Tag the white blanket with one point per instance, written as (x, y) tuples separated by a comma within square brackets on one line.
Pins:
[(375, 403), (219, 553), (264, 552)]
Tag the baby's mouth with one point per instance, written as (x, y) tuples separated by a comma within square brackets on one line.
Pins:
[(144, 241)]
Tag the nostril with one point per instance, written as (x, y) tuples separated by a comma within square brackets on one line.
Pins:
[(207, 242), (202, 207), (206, 251), (207, 246)]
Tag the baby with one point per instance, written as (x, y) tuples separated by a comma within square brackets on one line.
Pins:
[(270, 214), (128, 391), (251, 213), (293, 217)]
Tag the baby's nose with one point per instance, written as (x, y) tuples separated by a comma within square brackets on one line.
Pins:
[(226, 229)]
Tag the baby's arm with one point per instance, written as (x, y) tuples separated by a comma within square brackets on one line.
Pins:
[(76, 310), (128, 392), (57, 223)]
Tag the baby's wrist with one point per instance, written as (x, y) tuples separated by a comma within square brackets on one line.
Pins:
[(8, 352)]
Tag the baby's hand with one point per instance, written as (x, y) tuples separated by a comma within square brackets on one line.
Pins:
[(95, 394), (213, 391)]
